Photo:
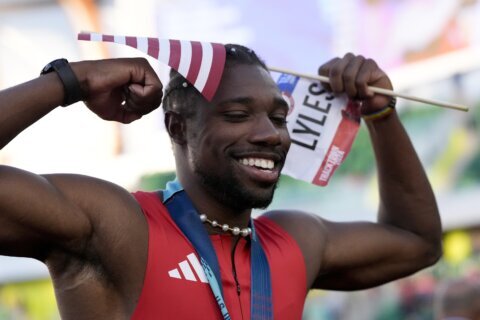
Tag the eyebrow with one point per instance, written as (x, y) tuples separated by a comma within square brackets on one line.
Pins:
[(239, 100), (281, 102), (247, 100)]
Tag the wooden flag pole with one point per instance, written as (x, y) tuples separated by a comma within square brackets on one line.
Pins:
[(379, 90)]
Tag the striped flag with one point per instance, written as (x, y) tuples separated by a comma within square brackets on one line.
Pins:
[(201, 63), (322, 129)]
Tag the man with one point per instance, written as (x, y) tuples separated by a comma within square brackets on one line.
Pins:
[(113, 255), (458, 299)]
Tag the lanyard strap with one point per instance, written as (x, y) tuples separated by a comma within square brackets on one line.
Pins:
[(186, 217), (261, 305)]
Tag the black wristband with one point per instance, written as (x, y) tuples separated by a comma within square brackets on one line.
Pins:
[(72, 89)]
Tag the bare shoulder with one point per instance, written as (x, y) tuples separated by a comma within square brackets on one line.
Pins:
[(113, 213), (111, 260), (310, 233), (305, 228), (297, 222), (118, 239), (95, 197)]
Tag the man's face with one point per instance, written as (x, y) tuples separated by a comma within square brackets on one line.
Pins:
[(237, 145)]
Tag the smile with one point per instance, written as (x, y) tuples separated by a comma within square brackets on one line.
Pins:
[(265, 164)]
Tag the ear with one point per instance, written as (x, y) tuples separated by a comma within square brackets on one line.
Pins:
[(176, 127)]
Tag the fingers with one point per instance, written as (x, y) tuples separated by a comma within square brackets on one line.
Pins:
[(144, 92), (364, 74), (337, 73), (149, 96), (129, 117), (356, 77), (123, 89), (142, 99), (324, 70), (353, 75)]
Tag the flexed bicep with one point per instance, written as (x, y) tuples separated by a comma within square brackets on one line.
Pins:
[(64, 213), (35, 215), (361, 255)]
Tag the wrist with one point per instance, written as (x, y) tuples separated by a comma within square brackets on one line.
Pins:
[(79, 68), (382, 113), (72, 91)]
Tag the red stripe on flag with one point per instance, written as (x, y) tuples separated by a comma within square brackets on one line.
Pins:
[(108, 38), (131, 41), (338, 150), (153, 47), (196, 62), (84, 36), (175, 52), (216, 71)]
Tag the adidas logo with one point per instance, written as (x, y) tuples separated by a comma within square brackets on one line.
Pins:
[(187, 271)]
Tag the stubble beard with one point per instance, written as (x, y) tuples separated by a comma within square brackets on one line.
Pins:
[(229, 191)]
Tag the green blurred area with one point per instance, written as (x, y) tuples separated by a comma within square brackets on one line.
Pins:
[(471, 175)]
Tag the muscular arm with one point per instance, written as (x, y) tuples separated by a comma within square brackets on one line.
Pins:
[(43, 213), (22, 105), (407, 235)]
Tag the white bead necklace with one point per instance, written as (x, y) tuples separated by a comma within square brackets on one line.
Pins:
[(244, 232)]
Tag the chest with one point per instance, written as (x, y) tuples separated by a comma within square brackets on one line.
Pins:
[(176, 287)]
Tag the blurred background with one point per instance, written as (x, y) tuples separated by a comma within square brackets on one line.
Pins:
[(431, 48)]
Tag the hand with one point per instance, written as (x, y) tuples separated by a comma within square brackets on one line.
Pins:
[(121, 90), (352, 75)]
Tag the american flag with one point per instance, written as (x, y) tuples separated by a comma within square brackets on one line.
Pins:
[(201, 63)]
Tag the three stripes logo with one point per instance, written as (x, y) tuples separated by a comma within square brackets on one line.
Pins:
[(185, 271)]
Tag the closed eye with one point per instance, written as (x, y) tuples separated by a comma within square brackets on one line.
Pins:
[(235, 116), (279, 120)]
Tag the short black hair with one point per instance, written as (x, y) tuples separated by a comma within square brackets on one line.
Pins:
[(180, 95)]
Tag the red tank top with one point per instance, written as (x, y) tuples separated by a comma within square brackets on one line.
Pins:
[(175, 286)]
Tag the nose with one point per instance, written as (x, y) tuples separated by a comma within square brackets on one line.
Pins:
[(265, 132)]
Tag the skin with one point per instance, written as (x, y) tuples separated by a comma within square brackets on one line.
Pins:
[(76, 224)]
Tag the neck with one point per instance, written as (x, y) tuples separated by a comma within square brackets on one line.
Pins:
[(207, 204)]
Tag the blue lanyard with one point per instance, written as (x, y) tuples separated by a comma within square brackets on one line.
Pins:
[(186, 217)]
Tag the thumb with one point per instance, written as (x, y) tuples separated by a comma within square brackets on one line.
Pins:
[(137, 89)]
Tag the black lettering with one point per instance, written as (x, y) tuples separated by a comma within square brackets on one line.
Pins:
[(316, 89), (319, 122), (304, 145), (316, 106), (219, 301), (305, 129)]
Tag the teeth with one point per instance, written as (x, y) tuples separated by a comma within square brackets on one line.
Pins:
[(270, 164), (256, 162), (263, 164)]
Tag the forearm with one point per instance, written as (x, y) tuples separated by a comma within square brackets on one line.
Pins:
[(406, 197), (120, 90), (24, 104)]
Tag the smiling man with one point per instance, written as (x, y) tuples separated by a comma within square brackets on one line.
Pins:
[(192, 251)]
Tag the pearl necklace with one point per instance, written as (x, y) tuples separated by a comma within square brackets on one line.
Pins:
[(244, 232)]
